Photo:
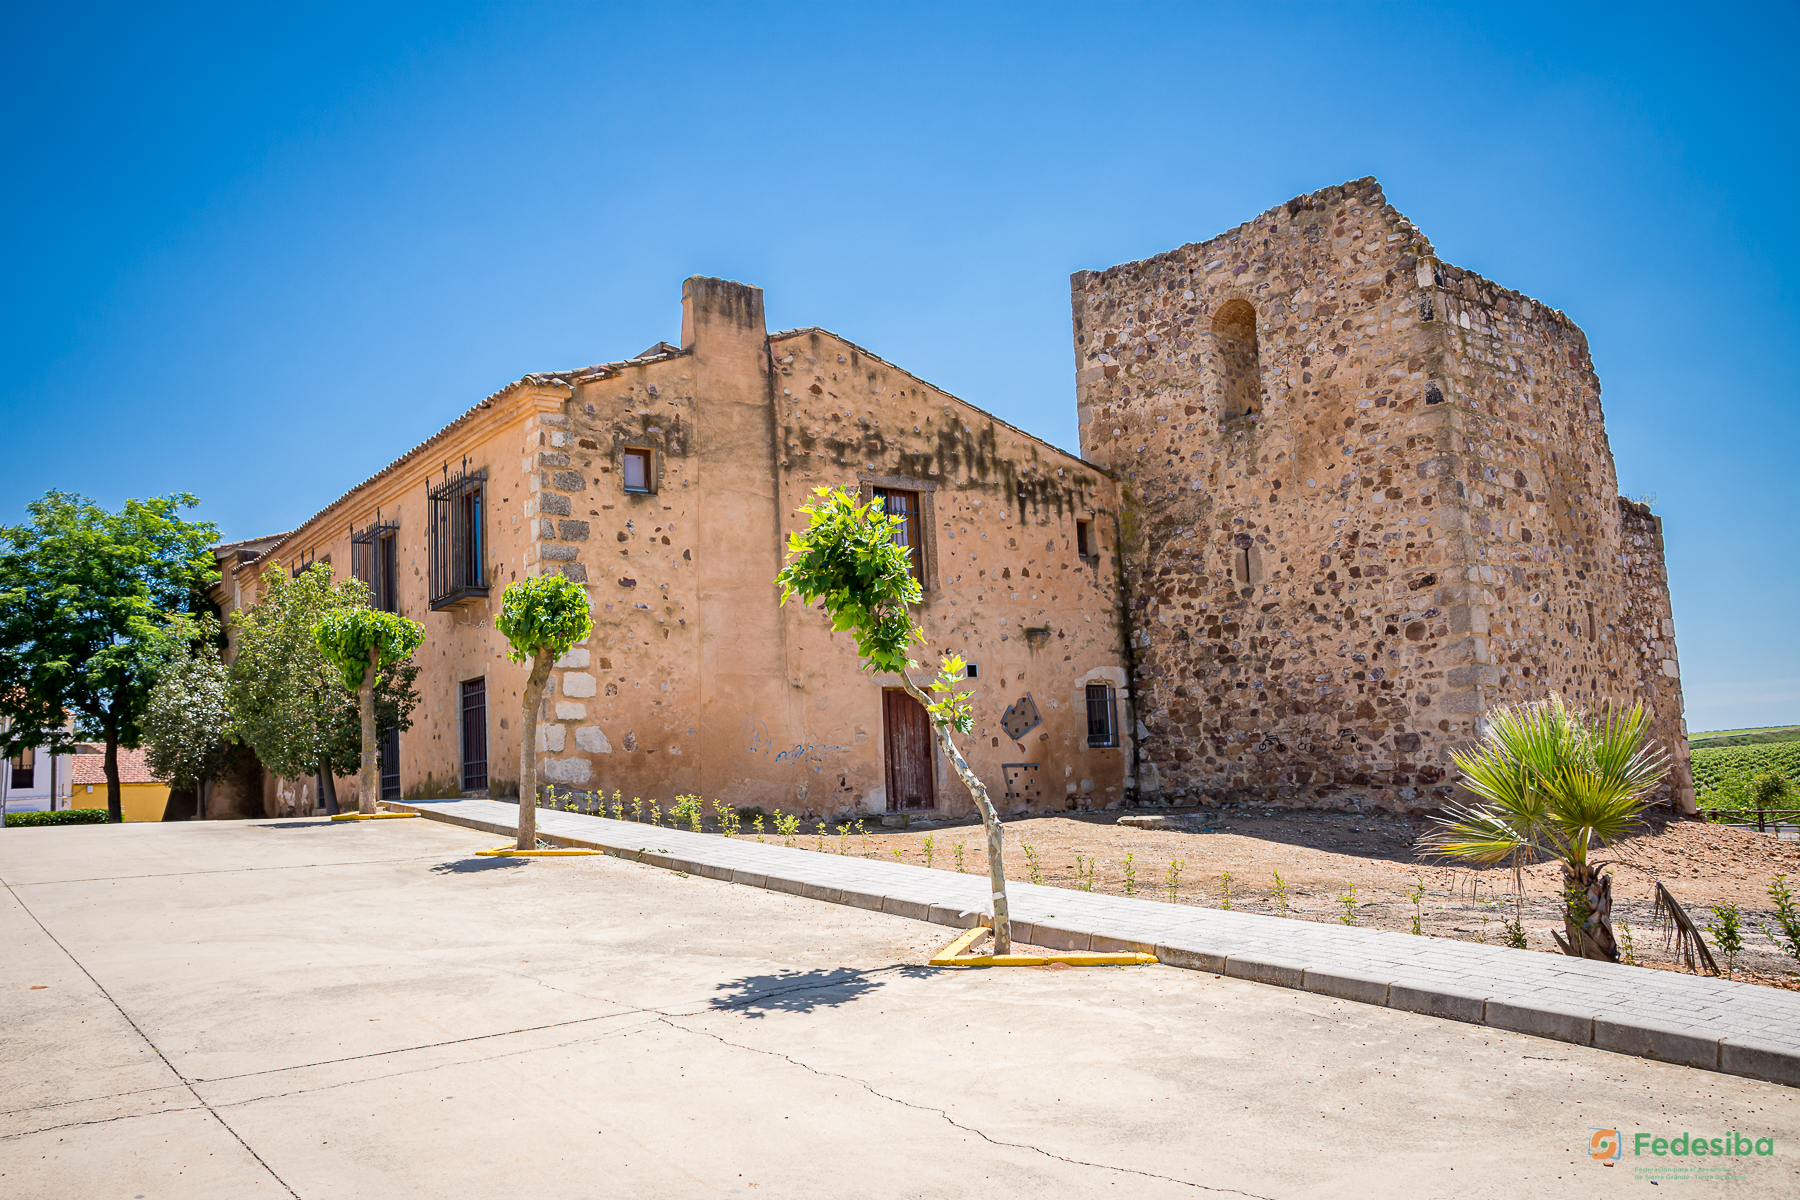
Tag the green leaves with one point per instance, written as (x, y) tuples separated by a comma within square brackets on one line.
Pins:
[(348, 637), (952, 707), (547, 612), (187, 719), (1553, 782), (86, 602), (847, 561), (287, 699)]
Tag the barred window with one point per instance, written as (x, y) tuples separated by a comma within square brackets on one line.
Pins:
[(1103, 716), (458, 542), (909, 532), (374, 559)]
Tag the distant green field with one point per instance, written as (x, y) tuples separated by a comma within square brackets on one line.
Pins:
[(1745, 737), (1714, 768)]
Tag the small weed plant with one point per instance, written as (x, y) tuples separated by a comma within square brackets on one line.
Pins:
[(1417, 895), (787, 827), (1347, 902), (637, 809), (1627, 947), (1130, 874), (1173, 882), (756, 823), (1281, 895), (1034, 870), (728, 818), (957, 849), (843, 835), (618, 807), (1727, 929), (819, 837), (1786, 931), (1225, 890), (929, 849), (862, 837)]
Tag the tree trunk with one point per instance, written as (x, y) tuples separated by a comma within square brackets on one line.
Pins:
[(528, 719), (1587, 913), (371, 769), (327, 790), (989, 818), (115, 811)]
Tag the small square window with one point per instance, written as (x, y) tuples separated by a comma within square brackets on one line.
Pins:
[(1084, 538), (636, 470)]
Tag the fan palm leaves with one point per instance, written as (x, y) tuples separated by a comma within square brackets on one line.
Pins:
[(1554, 783)]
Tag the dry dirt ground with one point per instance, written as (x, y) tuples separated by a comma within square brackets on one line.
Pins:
[(1320, 856)]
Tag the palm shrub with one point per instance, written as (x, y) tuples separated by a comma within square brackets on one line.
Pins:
[(541, 619), (362, 643), (847, 562), (1552, 782)]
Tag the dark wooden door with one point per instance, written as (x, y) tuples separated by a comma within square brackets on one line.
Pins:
[(911, 777), (474, 730)]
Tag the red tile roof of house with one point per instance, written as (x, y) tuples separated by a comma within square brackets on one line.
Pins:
[(91, 768)]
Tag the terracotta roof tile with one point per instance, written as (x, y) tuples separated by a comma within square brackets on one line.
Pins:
[(91, 768)]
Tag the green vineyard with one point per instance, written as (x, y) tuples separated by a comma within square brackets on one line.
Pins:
[(1721, 773)]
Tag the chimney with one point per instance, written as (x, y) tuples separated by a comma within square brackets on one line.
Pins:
[(721, 319)]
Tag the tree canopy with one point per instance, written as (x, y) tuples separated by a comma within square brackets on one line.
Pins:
[(89, 601), (288, 700), (546, 613), (187, 722)]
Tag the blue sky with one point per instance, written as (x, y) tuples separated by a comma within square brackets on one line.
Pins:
[(256, 253)]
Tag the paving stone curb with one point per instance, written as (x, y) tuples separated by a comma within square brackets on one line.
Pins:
[(1715, 1024)]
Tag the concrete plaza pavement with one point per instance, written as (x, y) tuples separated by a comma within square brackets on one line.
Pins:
[(297, 1008)]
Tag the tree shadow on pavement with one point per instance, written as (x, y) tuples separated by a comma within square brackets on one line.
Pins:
[(464, 866), (802, 991)]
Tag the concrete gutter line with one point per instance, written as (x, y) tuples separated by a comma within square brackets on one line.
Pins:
[(1715, 1024)]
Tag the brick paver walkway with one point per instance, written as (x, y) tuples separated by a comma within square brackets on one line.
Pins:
[(1700, 1021)]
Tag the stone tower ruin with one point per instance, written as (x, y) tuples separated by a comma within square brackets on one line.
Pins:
[(1368, 498)]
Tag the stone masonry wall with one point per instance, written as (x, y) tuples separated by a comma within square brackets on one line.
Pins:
[(1327, 593)]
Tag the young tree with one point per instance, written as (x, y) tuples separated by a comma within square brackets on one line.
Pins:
[(847, 560), (541, 619), (1556, 783), (187, 721), (286, 700), (362, 643), (87, 599)]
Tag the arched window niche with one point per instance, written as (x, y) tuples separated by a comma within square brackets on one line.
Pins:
[(1240, 371)]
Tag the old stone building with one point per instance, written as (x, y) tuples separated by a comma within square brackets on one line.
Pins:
[(1337, 500), (667, 484), (1367, 497)]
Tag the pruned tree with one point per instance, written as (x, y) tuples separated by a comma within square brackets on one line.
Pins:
[(541, 619), (1556, 783), (187, 722), (848, 561), (362, 643), (90, 608), (287, 702)]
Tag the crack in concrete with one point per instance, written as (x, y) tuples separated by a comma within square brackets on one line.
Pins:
[(361, 862), (954, 1123), (126, 1017)]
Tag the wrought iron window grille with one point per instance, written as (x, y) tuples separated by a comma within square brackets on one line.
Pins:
[(458, 536), (374, 559)]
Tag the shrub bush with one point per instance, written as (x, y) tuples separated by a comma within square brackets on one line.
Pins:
[(67, 816)]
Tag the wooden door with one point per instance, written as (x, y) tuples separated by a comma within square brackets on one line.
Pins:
[(911, 773)]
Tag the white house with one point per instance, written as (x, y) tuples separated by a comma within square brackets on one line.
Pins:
[(32, 781)]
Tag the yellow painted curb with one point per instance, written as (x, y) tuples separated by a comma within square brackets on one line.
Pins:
[(953, 956), (380, 816), (514, 852)]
